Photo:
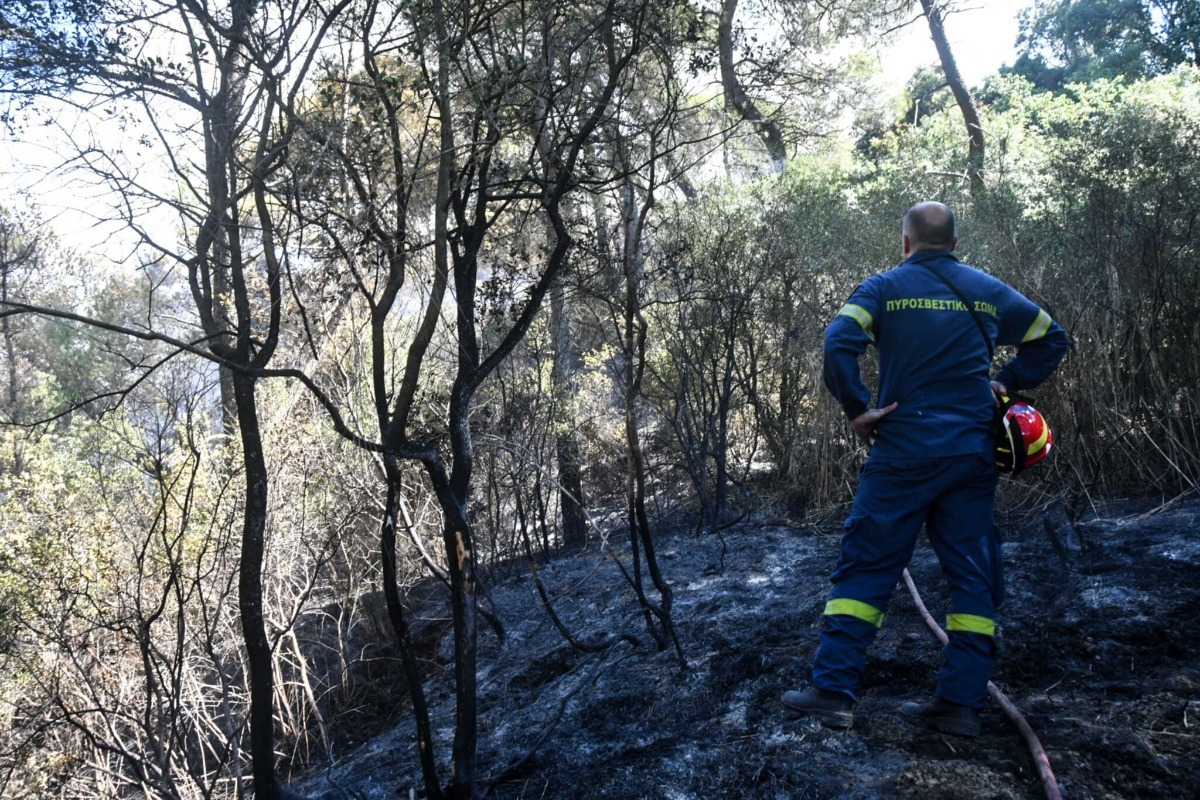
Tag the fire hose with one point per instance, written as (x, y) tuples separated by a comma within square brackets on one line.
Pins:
[(1040, 759)]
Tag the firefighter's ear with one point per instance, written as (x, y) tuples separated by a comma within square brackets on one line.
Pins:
[(907, 245)]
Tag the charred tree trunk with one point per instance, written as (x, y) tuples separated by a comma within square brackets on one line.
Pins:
[(570, 472), (250, 603), (464, 597), (634, 345), (395, 608)]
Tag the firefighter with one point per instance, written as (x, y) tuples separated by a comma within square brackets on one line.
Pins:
[(931, 462)]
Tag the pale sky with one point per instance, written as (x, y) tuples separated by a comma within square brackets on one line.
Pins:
[(981, 35)]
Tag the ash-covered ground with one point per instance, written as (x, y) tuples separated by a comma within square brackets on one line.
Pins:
[(1098, 647)]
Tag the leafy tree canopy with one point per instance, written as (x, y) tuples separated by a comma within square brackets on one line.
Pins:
[(1079, 41), (39, 40)]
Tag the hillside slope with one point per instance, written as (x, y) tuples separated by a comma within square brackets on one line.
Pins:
[(1097, 647)]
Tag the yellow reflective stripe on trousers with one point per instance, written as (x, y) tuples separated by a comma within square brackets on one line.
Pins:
[(859, 315), (854, 608), (1039, 327), (970, 623)]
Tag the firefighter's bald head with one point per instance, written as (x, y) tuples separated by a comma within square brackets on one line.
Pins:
[(929, 226)]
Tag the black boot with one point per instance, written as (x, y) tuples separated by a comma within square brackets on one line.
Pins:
[(942, 716), (834, 710)]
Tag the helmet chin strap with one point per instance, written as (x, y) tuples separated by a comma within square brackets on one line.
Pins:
[(1016, 440)]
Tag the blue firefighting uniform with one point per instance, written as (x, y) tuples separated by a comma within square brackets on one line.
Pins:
[(933, 460)]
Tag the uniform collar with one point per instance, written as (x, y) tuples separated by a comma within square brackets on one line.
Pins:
[(928, 255)]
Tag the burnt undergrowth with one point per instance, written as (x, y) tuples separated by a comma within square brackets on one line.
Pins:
[(1096, 647)]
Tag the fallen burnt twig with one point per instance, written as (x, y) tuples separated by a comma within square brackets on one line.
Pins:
[(1049, 783)]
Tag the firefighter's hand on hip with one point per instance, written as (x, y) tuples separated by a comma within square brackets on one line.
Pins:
[(864, 424)]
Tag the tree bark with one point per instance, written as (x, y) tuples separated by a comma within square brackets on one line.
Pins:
[(464, 597), (254, 634), (634, 345), (933, 14), (10, 352), (570, 480), (391, 593), (736, 97)]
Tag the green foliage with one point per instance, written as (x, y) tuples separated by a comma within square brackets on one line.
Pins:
[(1091, 210), (117, 536), (1062, 42), (1115, 219), (49, 42), (749, 278)]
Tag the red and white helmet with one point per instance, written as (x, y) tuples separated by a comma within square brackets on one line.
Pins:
[(1023, 437)]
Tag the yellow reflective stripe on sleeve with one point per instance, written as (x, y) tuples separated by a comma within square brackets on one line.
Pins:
[(854, 608), (1039, 327), (859, 315), (971, 624)]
